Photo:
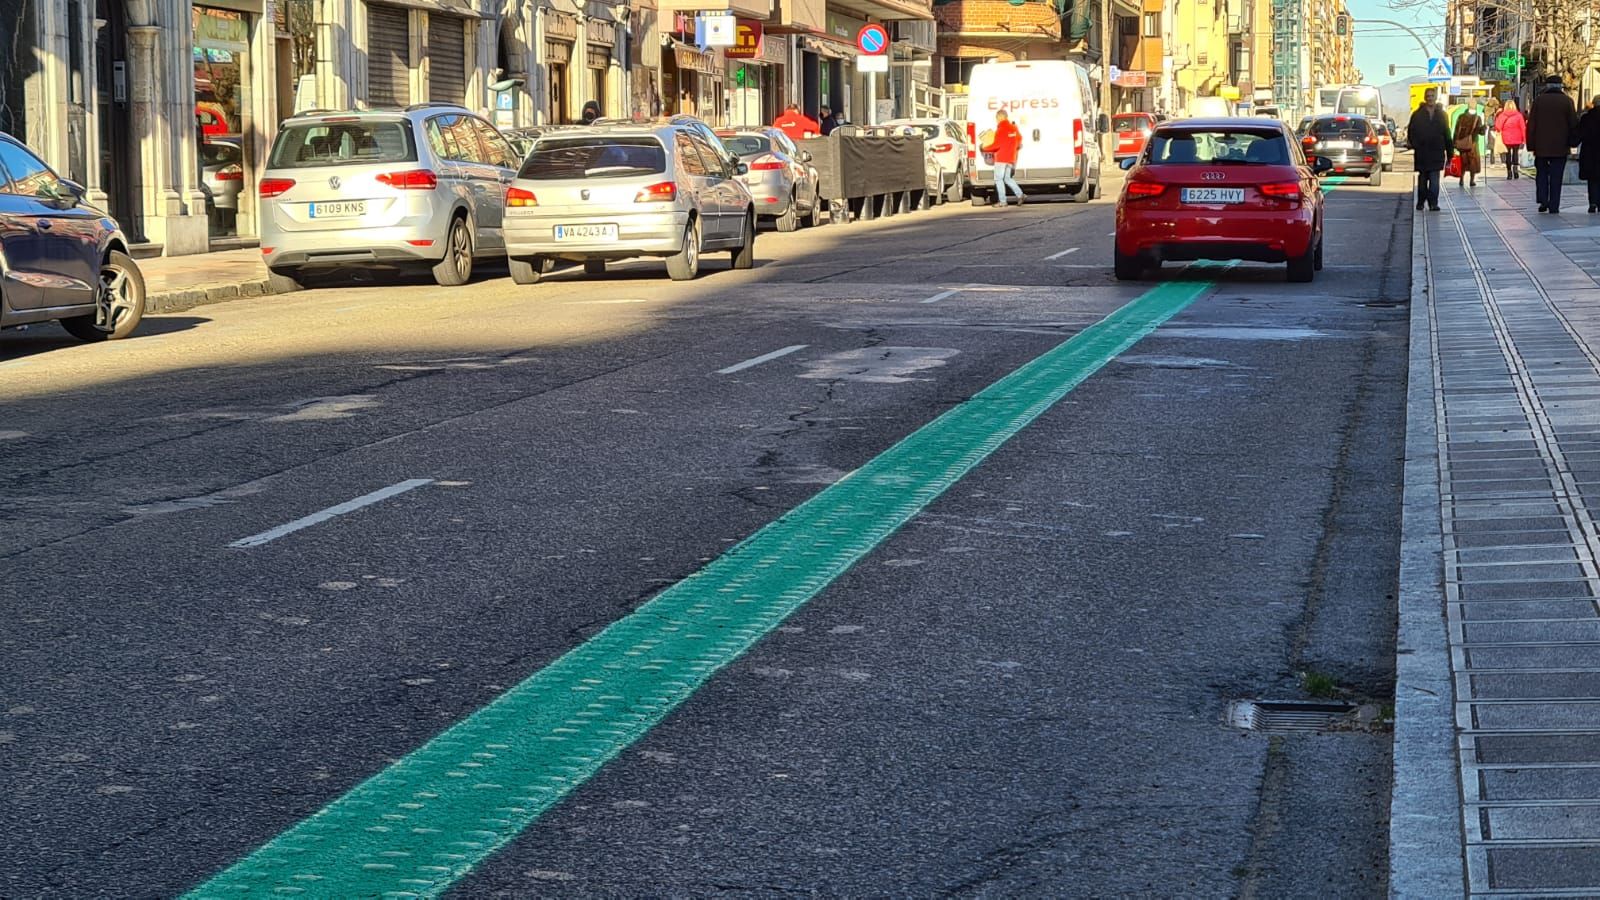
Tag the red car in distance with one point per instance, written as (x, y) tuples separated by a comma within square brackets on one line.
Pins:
[(1133, 131), (1220, 189)]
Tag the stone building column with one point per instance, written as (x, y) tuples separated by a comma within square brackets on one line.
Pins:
[(97, 191)]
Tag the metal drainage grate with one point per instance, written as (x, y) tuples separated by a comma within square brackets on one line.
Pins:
[(1289, 716)]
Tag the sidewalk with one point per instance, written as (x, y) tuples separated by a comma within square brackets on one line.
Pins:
[(1497, 741), (176, 283)]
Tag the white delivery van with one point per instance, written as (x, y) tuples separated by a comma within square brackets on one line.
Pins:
[(1051, 102)]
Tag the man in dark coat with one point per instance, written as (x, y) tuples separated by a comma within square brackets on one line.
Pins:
[(1552, 131), (1429, 137), (1589, 152)]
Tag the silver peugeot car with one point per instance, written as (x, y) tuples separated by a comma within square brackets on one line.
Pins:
[(613, 192), (423, 187)]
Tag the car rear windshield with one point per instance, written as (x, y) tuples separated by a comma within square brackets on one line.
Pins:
[(746, 144), (555, 159), (1128, 123), (217, 153), (1342, 127), (352, 143), (1220, 146)]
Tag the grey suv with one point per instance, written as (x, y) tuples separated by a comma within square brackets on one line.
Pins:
[(422, 186)]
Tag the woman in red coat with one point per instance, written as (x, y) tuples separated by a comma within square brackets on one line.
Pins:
[(1007, 144), (1513, 131)]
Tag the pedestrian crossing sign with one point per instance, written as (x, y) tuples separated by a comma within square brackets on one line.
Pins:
[(1440, 68)]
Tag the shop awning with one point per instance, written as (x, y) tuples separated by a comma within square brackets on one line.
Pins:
[(690, 59), (828, 47)]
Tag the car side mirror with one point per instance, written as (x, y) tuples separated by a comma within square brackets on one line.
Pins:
[(1128, 162), (741, 169), (65, 194), (1321, 164), (1103, 124)]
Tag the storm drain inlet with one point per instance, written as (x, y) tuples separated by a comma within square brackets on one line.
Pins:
[(1289, 716)]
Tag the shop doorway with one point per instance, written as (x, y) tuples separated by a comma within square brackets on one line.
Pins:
[(113, 117), (221, 76)]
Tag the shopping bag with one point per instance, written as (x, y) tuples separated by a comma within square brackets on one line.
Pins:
[(1525, 158), (1452, 169)]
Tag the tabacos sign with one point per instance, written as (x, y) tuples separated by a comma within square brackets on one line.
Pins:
[(746, 41), (996, 103)]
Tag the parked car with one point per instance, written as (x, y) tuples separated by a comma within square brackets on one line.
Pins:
[(1220, 189), (1350, 143), (1133, 131), (948, 142), (59, 257), (598, 194), (1385, 144), (222, 178), (781, 177), (424, 186)]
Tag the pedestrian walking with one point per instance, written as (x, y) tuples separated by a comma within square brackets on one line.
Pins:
[(1005, 145), (1552, 132), (1512, 130), (1589, 151), (1468, 126), (828, 122), (1429, 137), (796, 124)]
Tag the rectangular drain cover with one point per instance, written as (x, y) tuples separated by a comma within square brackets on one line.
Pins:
[(1280, 716)]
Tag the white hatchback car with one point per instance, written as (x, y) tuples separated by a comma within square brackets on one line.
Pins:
[(948, 144), (612, 192)]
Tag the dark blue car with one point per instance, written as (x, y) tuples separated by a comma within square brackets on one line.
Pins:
[(59, 257)]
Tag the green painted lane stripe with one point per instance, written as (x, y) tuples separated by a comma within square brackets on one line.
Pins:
[(420, 824)]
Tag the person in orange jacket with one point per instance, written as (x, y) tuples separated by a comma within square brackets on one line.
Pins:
[(1006, 145), (796, 124)]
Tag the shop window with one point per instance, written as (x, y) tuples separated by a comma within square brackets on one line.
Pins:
[(221, 46)]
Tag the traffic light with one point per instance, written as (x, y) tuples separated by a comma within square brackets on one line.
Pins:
[(1341, 25), (1391, 70)]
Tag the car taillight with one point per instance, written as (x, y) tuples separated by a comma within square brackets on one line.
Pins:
[(1143, 190), (972, 140), (1286, 190), (943, 148), (518, 197), (230, 173), (1308, 140), (766, 164), (1370, 142), (1077, 137), (664, 192), (414, 180), (272, 187)]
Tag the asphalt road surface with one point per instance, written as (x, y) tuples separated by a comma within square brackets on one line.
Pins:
[(270, 549)]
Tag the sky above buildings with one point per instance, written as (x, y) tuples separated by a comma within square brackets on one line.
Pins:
[(1378, 44)]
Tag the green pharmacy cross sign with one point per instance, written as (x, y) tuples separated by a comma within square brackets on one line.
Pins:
[(1512, 61)]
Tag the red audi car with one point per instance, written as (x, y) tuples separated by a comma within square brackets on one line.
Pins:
[(1220, 189)]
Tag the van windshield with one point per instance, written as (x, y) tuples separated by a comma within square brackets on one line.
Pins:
[(1220, 147), (350, 143), (559, 159)]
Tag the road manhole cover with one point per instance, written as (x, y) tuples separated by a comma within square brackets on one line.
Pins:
[(1289, 716)]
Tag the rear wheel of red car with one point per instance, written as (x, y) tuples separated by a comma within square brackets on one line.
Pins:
[(1304, 267), (1127, 268)]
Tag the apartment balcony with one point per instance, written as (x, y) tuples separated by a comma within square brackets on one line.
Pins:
[(887, 10), (978, 19), (750, 9)]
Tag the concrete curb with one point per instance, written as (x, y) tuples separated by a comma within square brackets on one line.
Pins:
[(1426, 844), (159, 303)]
